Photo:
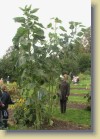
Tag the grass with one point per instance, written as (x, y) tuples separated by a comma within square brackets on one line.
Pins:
[(77, 91), (81, 117), (78, 99), (83, 83), (77, 116)]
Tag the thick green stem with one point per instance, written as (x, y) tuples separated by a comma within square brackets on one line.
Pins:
[(37, 122)]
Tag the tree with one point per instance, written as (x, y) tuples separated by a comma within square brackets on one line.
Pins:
[(85, 62), (87, 39), (8, 63)]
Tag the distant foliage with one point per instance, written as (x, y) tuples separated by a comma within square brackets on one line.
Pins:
[(84, 62)]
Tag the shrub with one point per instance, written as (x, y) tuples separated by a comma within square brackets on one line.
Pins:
[(88, 97), (87, 72), (13, 89), (24, 114), (84, 62), (82, 76)]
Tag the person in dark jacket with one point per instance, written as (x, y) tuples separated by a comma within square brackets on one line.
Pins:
[(5, 100), (64, 92)]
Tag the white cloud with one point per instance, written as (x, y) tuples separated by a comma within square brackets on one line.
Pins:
[(66, 10)]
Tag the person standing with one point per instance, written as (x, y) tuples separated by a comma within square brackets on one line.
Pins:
[(5, 100), (1, 105), (8, 80), (64, 87)]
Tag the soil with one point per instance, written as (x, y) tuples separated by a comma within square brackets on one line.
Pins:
[(81, 88), (77, 94), (63, 125), (76, 105)]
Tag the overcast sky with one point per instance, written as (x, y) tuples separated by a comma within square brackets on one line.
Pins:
[(66, 10)]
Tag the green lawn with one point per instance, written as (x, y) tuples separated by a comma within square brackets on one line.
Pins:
[(77, 91), (78, 99), (76, 116)]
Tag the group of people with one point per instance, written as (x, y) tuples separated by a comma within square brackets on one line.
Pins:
[(5, 100)]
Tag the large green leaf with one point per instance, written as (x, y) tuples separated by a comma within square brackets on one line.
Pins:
[(19, 19), (62, 28), (80, 34), (83, 29), (39, 31), (49, 25), (34, 17), (71, 22), (57, 20), (34, 10), (20, 32), (22, 9), (77, 23), (71, 26), (39, 24), (28, 8)]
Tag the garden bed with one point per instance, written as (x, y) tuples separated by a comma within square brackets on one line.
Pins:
[(76, 105), (63, 125)]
